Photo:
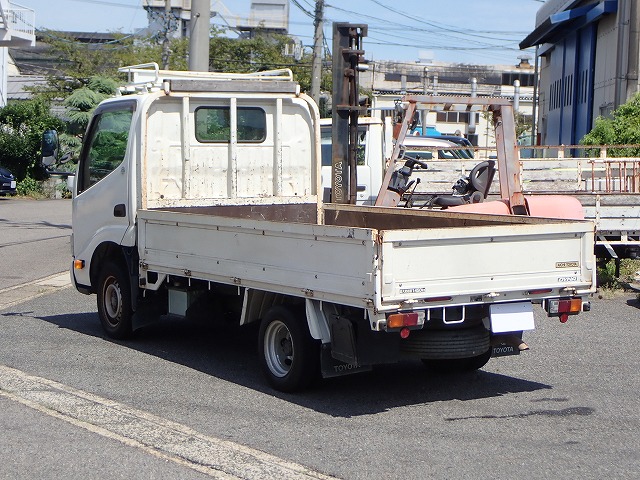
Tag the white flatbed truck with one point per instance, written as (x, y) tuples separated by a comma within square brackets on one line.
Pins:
[(201, 193)]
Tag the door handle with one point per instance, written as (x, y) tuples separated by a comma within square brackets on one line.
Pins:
[(120, 210)]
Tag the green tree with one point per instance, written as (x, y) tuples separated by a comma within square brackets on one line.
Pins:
[(21, 128), (623, 128), (521, 121), (77, 62), (262, 52), (81, 61), (82, 101)]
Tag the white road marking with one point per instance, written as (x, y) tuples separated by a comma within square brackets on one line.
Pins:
[(25, 291), (220, 459)]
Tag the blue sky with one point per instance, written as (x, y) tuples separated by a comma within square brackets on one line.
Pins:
[(466, 31)]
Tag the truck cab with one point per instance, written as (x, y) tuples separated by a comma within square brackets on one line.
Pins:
[(162, 143)]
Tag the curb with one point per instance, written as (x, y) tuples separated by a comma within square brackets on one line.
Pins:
[(26, 291)]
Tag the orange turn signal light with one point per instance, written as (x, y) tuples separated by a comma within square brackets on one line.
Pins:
[(78, 264), (399, 320), (575, 305)]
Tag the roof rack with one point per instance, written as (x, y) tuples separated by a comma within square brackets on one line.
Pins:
[(148, 76)]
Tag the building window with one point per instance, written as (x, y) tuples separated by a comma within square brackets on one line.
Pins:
[(568, 90), (526, 79), (559, 92), (455, 117)]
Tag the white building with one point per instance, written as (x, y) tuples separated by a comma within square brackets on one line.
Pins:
[(264, 15), (390, 80), (16, 29)]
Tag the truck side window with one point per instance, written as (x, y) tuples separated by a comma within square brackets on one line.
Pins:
[(106, 146), (213, 124), (326, 146)]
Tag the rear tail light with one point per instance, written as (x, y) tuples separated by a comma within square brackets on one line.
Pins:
[(563, 307), (410, 320), (399, 320)]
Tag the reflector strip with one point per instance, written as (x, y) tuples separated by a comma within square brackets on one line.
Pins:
[(539, 291), (437, 299)]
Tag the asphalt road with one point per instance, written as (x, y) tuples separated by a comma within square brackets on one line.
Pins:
[(34, 239), (186, 400)]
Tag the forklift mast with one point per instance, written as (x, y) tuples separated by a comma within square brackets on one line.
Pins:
[(347, 54)]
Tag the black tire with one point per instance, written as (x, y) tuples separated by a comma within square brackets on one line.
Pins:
[(289, 356), (457, 365), (114, 301), (447, 344)]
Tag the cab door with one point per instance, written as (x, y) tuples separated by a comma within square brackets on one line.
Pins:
[(101, 206)]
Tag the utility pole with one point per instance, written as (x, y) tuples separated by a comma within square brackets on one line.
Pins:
[(199, 35), (318, 40), (167, 28)]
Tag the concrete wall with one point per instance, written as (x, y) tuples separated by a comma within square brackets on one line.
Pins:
[(604, 85)]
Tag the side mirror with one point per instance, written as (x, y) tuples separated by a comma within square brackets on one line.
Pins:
[(50, 146)]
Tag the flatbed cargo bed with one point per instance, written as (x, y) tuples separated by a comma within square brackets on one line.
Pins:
[(394, 256)]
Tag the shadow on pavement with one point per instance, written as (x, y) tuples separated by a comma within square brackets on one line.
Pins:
[(634, 302), (229, 352)]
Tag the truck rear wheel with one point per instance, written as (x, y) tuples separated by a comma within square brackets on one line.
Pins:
[(114, 301), (289, 356)]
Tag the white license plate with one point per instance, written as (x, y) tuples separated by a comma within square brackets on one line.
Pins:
[(511, 317), (13, 184)]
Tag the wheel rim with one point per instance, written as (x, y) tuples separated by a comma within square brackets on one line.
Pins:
[(112, 301), (278, 348)]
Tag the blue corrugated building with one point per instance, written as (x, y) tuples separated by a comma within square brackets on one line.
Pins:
[(588, 52)]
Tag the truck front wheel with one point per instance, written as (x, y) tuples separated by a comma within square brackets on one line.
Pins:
[(114, 301), (289, 356)]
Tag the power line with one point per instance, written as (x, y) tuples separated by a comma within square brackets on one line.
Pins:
[(466, 32), (304, 10), (385, 41), (439, 37), (112, 4)]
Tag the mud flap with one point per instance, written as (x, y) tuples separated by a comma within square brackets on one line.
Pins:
[(331, 367), (504, 350), (507, 344), (343, 341)]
